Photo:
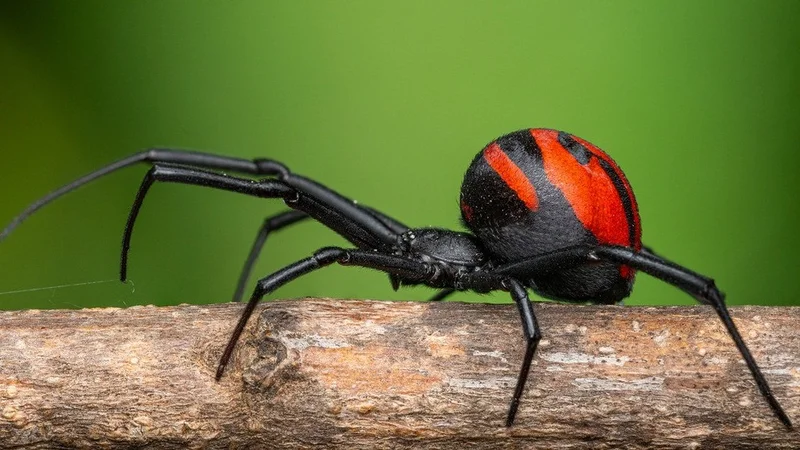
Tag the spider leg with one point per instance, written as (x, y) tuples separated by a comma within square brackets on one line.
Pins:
[(382, 235), (343, 222), (285, 219), (705, 291), (271, 224), (156, 155), (647, 250), (441, 295), (485, 281), (383, 230), (176, 174), (532, 337), (391, 223), (403, 267), (698, 286)]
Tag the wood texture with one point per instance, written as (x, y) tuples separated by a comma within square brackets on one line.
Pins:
[(358, 374)]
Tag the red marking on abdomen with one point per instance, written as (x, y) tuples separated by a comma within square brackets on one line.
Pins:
[(467, 210), (588, 189), (590, 192), (637, 226), (512, 175)]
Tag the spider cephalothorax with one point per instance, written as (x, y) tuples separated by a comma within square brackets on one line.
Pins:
[(450, 256), (547, 211)]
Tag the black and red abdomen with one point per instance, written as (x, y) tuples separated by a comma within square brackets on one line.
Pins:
[(535, 191)]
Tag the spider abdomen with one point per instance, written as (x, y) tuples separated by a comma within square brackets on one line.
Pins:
[(536, 191)]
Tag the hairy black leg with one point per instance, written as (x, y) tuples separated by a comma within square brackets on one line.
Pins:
[(441, 295), (402, 267), (156, 155), (698, 286), (271, 224), (532, 337)]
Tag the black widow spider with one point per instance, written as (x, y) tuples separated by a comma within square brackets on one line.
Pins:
[(547, 210)]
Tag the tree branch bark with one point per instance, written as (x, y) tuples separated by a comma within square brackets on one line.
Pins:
[(359, 374)]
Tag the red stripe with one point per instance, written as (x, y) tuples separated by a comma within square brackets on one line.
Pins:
[(512, 175), (588, 189), (637, 226), (590, 192)]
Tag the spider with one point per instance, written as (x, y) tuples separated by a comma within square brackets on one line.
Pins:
[(547, 211)]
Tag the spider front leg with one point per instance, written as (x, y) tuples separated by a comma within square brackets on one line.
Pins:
[(698, 286), (334, 211), (155, 156), (176, 174), (339, 210)]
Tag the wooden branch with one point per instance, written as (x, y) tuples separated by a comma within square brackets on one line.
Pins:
[(358, 374)]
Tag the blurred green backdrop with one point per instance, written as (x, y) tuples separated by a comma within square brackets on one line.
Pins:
[(699, 102)]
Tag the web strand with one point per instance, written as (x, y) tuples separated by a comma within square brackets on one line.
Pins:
[(61, 286)]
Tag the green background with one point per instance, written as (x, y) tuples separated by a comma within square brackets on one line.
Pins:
[(699, 102)]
